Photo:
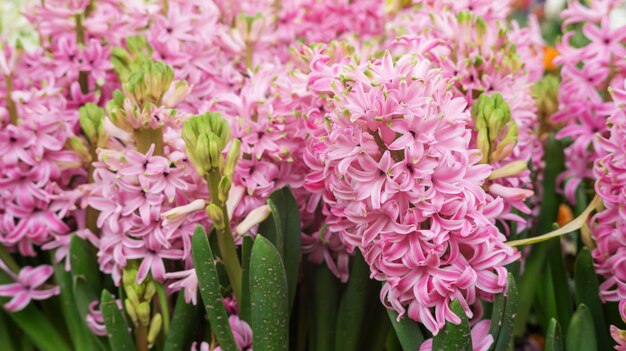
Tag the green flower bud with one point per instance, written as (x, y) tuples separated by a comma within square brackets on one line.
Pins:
[(215, 152), (77, 146), (250, 27), (216, 215), (129, 277), (224, 188), (482, 141), (508, 142), (132, 295), (545, 92), (205, 137), (155, 328), (481, 29), (232, 157), (130, 310), (508, 170), (202, 153), (150, 291), (143, 313), (491, 116), (90, 117), (512, 62), (148, 84), (464, 17)]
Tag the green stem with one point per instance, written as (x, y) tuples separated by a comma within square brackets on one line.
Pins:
[(144, 138), (91, 214), (10, 103), (225, 240), (568, 228), (141, 338), (6, 257), (165, 310), (80, 39), (249, 53)]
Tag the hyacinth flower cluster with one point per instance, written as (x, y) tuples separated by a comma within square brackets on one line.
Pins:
[(608, 225), (407, 188), (592, 61)]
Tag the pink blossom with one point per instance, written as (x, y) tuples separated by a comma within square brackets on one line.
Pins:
[(481, 339), (427, 199), (28, 286)]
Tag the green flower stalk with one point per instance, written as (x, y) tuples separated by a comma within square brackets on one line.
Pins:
[(206, 137), (138, 305)]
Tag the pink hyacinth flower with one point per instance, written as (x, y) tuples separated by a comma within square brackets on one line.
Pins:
[(27, 287)]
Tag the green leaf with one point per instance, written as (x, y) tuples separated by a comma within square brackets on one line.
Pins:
[(117, 327), (562, 294), (272, 228), (326, 300), (269, 298), (353, 306), (587, 293), (282, 228), (86, 284), (505, 334), (581, 335), (84, 264), (210, 289), (183, 321), (536, 260), (452, 336), (554, 340), (290, 219), (377, 323), (244, 305), (393, 344), (497, 313), (82, 337), (5, 333), (407, 331)]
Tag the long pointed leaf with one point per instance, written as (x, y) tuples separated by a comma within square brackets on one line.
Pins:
[(292, 231), (497, 314), (211, 291), (182, 324), (269, 298), (82, 337), (562, 294), (554, 339), (244, 306), (407, 331), (5, 333), (505, 334), (84, 264), (581, 335), (353, 306), (272, 228), (325, 292), (587, 292), (117, 327), (452, 336)]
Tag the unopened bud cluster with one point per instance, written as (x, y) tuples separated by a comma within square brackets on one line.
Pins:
[(138, 303), (145, 96), (497, 132)]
